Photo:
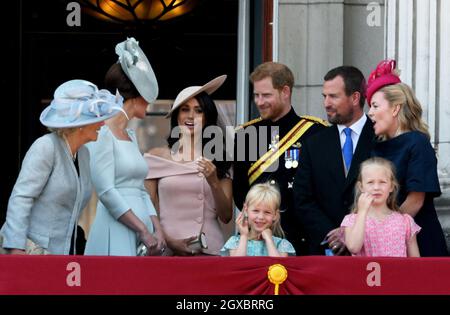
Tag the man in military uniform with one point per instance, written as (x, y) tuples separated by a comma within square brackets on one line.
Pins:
[(268, 148)]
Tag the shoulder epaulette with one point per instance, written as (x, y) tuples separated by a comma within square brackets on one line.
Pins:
[(316, 119), (248, 123)]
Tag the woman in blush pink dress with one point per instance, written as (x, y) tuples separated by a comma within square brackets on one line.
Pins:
[(376, 227), (191, 188)]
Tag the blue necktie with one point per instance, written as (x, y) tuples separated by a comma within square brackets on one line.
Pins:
[(347, 149)]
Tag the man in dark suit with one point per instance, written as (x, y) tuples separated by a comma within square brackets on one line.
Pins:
[(323, 186), (267, 148)]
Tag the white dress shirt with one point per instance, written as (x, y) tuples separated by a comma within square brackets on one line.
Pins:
[(356, 128)]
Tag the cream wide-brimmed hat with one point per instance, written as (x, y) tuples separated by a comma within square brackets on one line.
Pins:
[(78, 103), (192, 91)]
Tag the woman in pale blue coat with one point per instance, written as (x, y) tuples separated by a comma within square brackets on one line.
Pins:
[(53, 185), (125, 215)]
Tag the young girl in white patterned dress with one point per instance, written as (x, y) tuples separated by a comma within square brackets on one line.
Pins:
[(259, 226)]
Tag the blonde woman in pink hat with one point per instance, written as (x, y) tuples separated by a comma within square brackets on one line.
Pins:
[(192, 190), (404, 140)]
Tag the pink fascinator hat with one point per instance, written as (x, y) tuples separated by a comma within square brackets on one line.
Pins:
[(382, 76)]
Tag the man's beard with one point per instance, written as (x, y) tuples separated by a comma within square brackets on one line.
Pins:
[(340, 119)]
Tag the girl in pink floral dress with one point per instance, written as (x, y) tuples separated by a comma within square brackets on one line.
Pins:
[(376, 227)]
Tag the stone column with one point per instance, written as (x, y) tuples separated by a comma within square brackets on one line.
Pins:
[(310, 41), (313, 36)]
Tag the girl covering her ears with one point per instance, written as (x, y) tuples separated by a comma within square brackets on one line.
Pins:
[(376, 226), (259, 226)]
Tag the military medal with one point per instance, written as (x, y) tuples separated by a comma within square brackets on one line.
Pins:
[(287, 159), (295, 159)]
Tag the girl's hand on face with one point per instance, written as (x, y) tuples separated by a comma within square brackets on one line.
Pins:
[(208, 169), (242, 223), (266, 234), (364, 201)]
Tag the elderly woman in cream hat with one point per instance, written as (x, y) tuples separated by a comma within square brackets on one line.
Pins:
[(190, 188), (54, 185), (125, 215)]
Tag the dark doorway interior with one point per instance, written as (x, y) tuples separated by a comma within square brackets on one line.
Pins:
[(44, 52)]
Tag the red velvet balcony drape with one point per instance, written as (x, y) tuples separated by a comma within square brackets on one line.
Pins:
[(221, 275)]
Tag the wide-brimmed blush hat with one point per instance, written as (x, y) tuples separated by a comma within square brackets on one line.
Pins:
[(382, 76), (192, 91), (138, 69), (78, 103)]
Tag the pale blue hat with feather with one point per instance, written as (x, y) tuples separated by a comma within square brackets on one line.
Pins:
[(78, 103), (138, 69)]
